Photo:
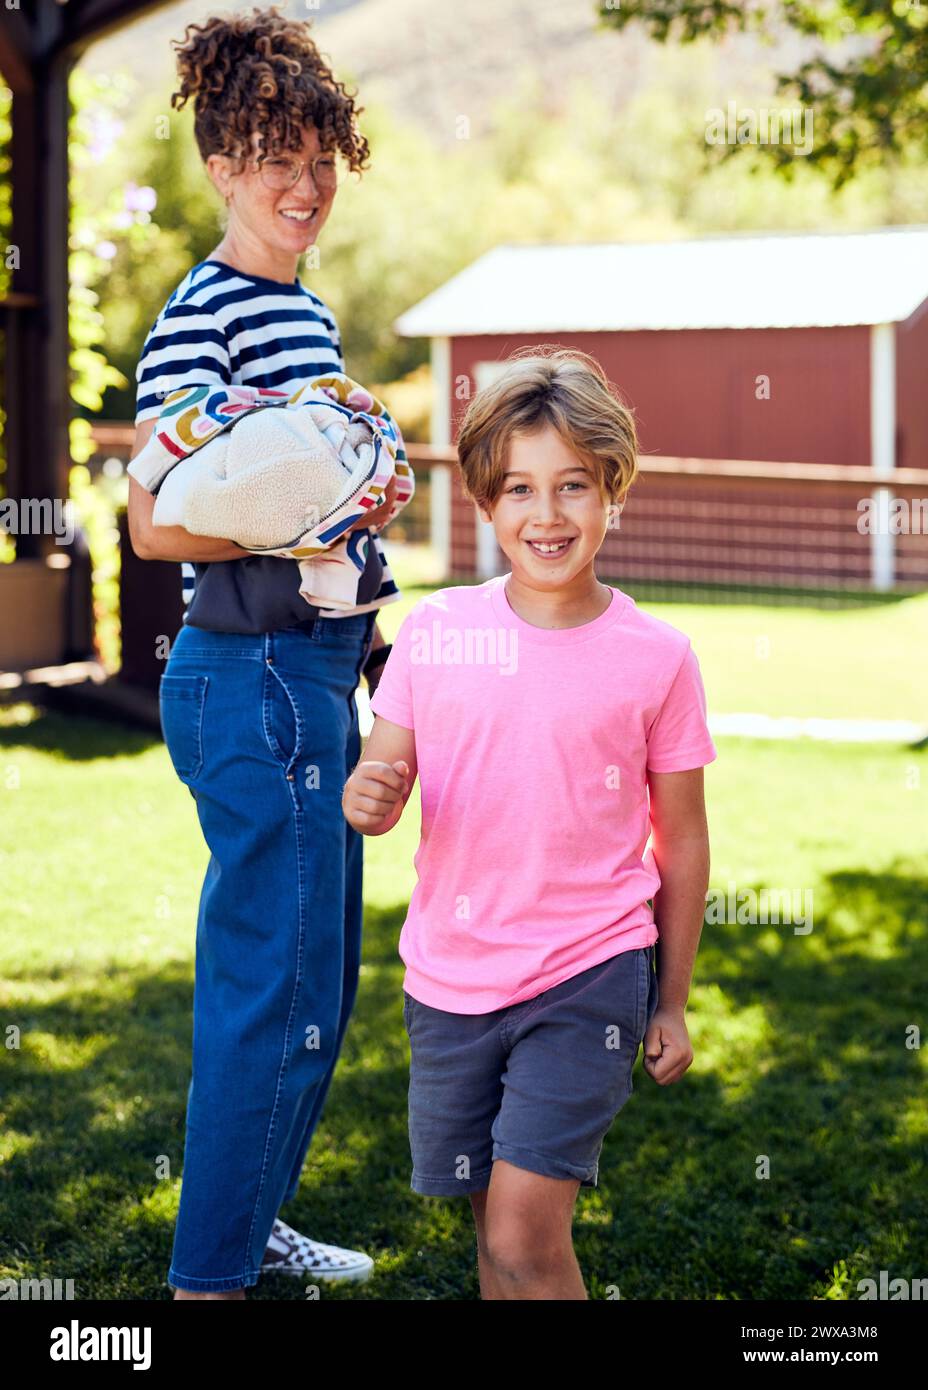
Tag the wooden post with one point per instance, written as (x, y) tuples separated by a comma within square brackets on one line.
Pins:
[(882, 450)]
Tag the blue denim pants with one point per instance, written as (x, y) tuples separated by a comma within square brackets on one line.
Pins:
[(263, 730)]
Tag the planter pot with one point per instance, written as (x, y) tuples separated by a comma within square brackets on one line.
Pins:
[(33, 609)]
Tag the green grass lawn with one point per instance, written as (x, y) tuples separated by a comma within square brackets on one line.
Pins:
[(800, 1039)]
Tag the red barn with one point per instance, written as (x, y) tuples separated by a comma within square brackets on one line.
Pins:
[(778, 383)]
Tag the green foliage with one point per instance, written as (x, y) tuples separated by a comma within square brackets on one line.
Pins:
[(574, 172), (866, 81), (108, 218), (154, 155), (7, 544), (96, 502), (6, 187), (101, 217)]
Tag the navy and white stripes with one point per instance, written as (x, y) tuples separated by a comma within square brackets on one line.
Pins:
[(223, 326)]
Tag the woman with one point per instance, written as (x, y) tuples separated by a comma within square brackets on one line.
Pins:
[(257, 698)]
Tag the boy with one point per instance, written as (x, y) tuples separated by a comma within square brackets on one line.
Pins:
[(541, 710)]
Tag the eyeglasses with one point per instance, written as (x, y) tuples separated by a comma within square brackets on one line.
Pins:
[(283, 171)]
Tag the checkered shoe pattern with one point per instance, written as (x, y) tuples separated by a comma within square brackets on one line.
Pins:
[(290, 1253)]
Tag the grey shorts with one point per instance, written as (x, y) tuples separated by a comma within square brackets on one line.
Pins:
[(537, 1084)]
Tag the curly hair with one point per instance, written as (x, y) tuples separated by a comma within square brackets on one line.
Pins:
[(263, 72), (548, 385)]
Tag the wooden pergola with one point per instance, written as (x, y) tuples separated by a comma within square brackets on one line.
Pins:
[(39, 46)]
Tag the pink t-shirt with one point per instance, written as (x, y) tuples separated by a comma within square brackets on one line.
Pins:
[(533, 745)]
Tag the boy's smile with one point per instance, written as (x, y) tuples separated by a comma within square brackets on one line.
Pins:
[(550, 550), (550, 517)]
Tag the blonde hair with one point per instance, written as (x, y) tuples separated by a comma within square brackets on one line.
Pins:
[(548, 385)]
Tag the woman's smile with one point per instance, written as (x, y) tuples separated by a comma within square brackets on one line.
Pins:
[(302, 216)]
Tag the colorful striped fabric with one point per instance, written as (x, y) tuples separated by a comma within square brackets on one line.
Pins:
[(331, 563)]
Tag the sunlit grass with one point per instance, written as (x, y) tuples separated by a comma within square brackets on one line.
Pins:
[(759, 657)]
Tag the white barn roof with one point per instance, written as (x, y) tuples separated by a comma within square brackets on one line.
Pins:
[(746, 280)]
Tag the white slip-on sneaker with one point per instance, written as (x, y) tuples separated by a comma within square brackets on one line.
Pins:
[(288, 1252)]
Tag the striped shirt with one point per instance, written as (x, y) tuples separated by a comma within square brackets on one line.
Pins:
[(222, 326)]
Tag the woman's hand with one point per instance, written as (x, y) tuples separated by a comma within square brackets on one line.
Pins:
[(373, 680), (376, 517)]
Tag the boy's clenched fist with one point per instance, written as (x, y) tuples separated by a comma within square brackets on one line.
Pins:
[(374, 796)]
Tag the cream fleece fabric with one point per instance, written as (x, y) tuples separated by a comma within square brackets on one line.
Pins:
[(270, 479), (283, 474)]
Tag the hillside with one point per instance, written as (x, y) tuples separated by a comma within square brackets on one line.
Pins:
[(432, 63)]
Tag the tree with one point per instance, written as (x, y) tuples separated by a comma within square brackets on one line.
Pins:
[(866, 82)]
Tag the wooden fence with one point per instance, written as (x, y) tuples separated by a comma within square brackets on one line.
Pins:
[(728, 523), (713, 523)]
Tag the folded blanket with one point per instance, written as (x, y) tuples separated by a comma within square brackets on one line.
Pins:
[(281, 474)]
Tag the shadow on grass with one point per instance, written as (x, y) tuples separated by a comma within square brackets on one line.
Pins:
[(800, 1057), (74, 737)]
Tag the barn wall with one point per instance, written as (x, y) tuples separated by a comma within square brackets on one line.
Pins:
[(694, 397), (912, 391), (694, 392)]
